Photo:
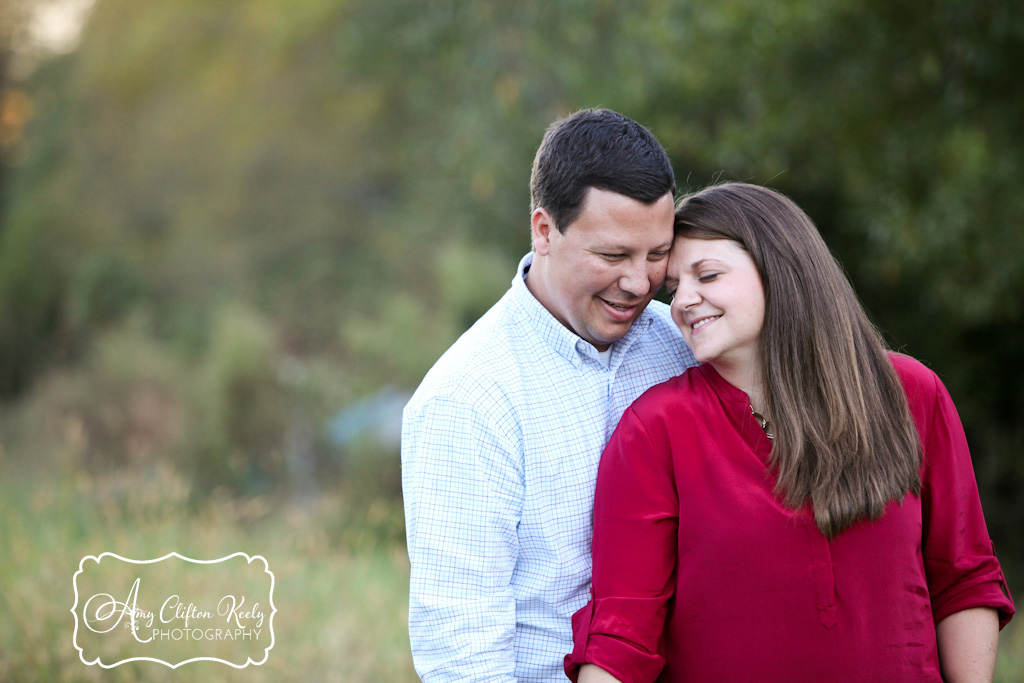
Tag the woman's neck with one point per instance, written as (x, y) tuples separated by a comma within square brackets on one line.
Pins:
[(746, 377)]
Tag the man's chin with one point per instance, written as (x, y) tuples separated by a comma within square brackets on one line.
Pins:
[(610, 329), (610, 335)]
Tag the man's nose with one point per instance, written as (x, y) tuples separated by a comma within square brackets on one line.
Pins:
[(636, 279)]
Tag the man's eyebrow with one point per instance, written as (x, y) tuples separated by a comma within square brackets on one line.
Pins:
[(664, 246)]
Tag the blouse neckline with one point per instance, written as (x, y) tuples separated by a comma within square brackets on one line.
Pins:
[(737, 406)]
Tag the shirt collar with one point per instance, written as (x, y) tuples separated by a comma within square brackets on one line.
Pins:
[(565, 342)]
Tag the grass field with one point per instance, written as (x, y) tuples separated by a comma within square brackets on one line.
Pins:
[(340, 566)]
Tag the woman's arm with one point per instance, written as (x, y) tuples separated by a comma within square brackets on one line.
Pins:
[(960, 564), (635, 545), (590, 673), (970, 600), (967, 645)]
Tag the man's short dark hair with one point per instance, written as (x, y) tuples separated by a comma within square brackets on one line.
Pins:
[(596, 148)]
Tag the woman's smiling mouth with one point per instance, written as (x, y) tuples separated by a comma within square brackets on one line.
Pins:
[(704, 321)]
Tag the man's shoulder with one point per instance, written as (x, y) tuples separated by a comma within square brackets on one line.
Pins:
[(662, 342), (478, 360)]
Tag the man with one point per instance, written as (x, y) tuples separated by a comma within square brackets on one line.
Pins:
[(501, 441)]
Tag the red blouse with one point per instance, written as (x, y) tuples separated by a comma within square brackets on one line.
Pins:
[(701, 574)]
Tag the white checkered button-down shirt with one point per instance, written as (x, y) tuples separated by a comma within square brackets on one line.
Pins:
[(500, 446)]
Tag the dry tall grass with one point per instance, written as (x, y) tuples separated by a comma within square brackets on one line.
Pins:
[(341, 576), (340, 566)]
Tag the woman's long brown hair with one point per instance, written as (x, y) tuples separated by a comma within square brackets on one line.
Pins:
[(844, 437)]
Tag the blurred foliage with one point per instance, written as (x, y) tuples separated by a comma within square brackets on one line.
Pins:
[(293, 205), (243, 406)]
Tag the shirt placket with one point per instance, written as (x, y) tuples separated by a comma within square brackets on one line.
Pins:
[(824, 578)]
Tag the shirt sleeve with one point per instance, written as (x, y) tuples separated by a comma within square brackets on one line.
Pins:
[(463, 490), (959, 559), (635, 536)]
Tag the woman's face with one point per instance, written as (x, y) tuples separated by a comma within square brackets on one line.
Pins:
[(717, 301)]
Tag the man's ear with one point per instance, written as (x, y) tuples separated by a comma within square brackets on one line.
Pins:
[(541, 227)]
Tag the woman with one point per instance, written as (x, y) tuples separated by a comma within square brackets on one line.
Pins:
[(801, 506)]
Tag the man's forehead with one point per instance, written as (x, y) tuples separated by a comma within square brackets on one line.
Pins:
[(610, 216), (621, 242), (612, 236)]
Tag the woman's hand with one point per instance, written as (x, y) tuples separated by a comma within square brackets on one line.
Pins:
[(967, 645)]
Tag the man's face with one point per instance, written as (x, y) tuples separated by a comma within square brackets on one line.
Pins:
[(598, 277)]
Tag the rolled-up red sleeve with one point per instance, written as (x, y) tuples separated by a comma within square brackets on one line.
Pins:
[(635, 547), (959, 559)]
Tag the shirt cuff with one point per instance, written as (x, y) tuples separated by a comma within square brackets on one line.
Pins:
[(623, 636), (986, 591)]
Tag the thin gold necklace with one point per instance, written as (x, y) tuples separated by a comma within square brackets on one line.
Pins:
[(763, 422)]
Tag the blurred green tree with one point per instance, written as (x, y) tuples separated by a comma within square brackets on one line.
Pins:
[(355, 172), (892, 124)]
